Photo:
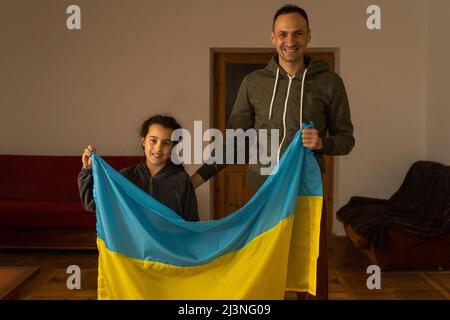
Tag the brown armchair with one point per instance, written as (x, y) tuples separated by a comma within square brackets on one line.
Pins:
[(411, 230)]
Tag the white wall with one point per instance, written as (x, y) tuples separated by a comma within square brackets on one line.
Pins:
[(61, 90), (438, 97), (385, 75)]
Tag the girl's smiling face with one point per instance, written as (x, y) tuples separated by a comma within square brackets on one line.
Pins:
[(157, 145)]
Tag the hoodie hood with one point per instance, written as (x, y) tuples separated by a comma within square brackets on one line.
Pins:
[(314, 66)]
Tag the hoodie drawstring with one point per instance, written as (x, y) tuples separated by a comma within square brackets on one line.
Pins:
[(286, 103), (274, 91), (284, 115), (301, 99)]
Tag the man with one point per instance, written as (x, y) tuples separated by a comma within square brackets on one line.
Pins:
[(291, 87)]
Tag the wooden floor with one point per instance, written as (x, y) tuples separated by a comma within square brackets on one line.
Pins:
[(347, 275), (347, 278)]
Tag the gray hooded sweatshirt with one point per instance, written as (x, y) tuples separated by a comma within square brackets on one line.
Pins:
[(270, 99)]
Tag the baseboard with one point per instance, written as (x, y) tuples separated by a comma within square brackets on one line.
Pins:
[(48, 238)]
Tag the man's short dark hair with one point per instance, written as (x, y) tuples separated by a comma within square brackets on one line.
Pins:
[(290, 8)]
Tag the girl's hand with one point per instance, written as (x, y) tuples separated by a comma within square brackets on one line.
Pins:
[(86, 157)]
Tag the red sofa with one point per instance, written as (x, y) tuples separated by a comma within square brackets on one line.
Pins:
[(41, 192)]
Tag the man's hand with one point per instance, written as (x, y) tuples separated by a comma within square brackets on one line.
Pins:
[(197, 180), (311, 139)]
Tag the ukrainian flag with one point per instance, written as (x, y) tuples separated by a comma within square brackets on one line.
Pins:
[(269, 246)]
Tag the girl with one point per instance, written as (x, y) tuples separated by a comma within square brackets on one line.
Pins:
[(157, 175)]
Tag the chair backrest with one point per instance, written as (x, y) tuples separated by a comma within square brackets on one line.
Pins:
[(426, 189), (47, 178)]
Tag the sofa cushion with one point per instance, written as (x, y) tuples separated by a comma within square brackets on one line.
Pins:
[(32, 188), (42, 191), (46, 178), (44, 214)]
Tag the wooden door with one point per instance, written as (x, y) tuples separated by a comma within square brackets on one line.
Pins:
[(228, 72)]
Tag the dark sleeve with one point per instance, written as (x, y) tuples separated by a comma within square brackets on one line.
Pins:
[(340, 140), (189, 205), (242, 117), (85, 187)]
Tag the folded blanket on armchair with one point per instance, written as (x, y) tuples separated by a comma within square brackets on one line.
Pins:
[(420, 207)]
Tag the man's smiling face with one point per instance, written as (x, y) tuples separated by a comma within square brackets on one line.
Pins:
[(290, 37)]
